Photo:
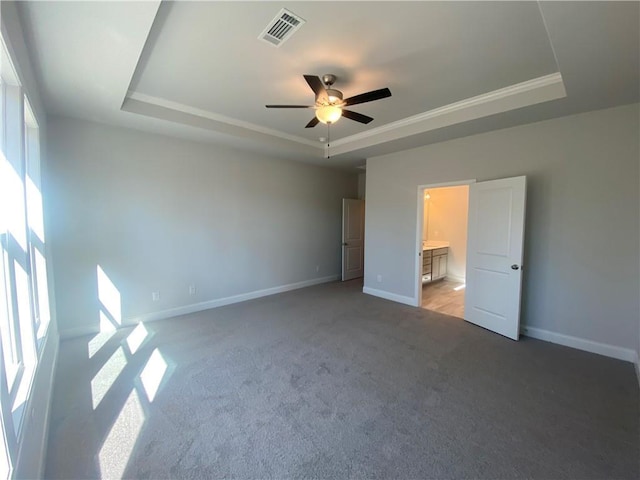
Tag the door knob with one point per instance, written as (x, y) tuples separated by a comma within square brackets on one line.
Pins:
[(514, 267), (344, 244)]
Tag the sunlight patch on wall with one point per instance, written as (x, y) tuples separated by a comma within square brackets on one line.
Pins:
[(153, 373), (109, 296), (121, 440), (99, 341), (136, 338), (106, 325), (105, 378)]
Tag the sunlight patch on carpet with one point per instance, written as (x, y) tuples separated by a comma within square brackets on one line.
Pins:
[(136, 338), (106, 376), (153, 373), (121, 440)]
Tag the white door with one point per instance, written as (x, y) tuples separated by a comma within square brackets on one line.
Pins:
[(494, 255), (352, 238)]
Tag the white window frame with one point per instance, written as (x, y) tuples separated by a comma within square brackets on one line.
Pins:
[(24, 291)]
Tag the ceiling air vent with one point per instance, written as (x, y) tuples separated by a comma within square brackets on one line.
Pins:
[(281, 27)]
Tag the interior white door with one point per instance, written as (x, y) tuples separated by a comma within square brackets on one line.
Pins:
[(352, 238), (494, 255)]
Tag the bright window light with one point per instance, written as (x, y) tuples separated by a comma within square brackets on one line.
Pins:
[(5, 199), (24, 302), (109, 296), (7, 324), (34, 210), (24, 315), (153, 373), (42, 286), (12, 199), (136, 338), (121, 440), (22, 394), (106, 377)]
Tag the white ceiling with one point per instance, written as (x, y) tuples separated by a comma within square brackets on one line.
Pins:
[(197, 69)]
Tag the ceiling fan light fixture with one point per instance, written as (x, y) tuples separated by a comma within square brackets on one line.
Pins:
[(329, 101), (328, 113)]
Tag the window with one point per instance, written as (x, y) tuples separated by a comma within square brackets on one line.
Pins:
[(35, 218), (5, 464), (24, 297)]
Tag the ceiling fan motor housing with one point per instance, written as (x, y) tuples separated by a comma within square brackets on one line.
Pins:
[(335, 96)]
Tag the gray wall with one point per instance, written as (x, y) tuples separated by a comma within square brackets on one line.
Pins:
[(159, 214), (581, 245), (362, 186)]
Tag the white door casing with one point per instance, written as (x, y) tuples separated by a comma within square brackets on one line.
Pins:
[(352, 238), (417, 299), (495, 244)]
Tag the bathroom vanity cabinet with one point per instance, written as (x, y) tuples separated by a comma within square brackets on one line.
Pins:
[(434, 263)]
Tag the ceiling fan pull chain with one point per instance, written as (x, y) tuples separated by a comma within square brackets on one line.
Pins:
[(328, 139)]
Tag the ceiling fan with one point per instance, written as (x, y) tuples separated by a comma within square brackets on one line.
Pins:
[(329, 104)]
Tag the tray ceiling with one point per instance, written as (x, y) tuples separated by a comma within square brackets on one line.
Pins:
[(198, 69)]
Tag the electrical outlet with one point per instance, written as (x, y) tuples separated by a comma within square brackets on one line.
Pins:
[(379, 278), (155, 296), (192, 289)]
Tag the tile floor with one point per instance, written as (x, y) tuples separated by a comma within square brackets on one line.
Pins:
[(442, 296)]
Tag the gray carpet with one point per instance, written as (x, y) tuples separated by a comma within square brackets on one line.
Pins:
[(327, 382)]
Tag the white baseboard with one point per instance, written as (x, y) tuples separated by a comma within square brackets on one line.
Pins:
[(455, 278), (79, 331), (626, 354), (44, 446), (32, 447), (390, 296), (198, 307)]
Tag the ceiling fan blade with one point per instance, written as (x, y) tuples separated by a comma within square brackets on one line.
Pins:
[(314, 121), (318, 87), (368, 97), (289, 106), (358, 117)]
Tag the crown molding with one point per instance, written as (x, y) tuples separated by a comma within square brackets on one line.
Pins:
[(524, 94), (205, 114)]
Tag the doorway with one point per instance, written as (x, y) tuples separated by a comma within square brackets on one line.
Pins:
[(352, 238), (495, 246), (442, 276)]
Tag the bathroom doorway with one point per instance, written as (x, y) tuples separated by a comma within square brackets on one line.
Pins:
[(444, 248)]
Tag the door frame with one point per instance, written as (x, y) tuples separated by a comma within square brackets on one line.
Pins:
[(419, 231)]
